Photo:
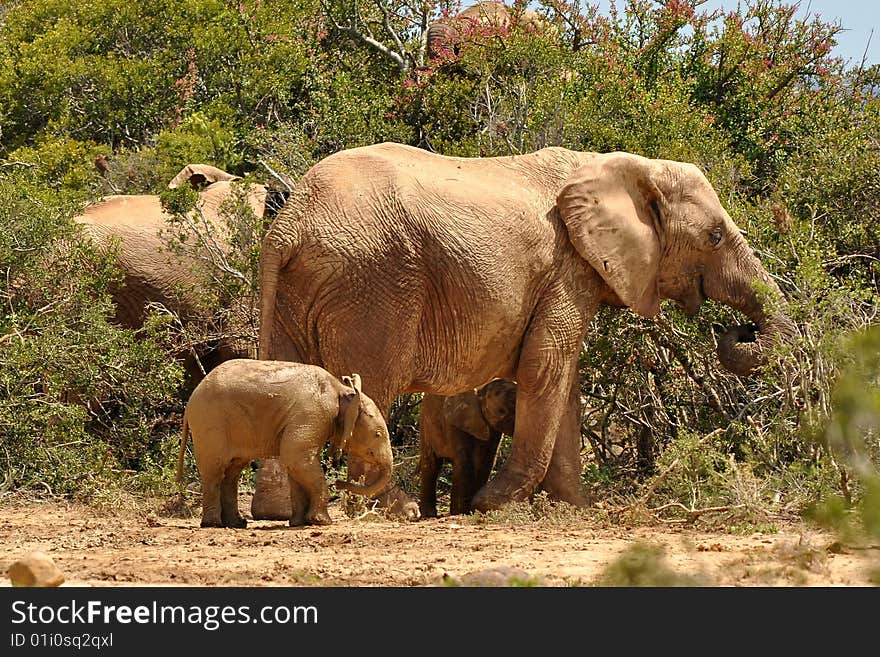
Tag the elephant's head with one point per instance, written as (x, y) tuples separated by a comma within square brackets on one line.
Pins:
[(655, 229), (200, 176), (480, 20), (362, 433), (213, 184), (498, 404)]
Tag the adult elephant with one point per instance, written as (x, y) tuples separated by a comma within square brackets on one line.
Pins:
[(155, 274), (446, 34), (437, 274)]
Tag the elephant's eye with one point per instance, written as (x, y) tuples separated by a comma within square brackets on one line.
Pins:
[(715, 236)]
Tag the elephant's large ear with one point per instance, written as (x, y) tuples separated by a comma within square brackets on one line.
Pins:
[(463, 413), (612, 210)]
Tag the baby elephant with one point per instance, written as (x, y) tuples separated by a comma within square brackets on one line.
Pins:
[(252, 409), (464, 429)]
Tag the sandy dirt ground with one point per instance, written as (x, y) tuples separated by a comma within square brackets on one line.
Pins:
[(128, 547)]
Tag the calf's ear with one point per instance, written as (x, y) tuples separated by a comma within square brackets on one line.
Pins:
[(353, 381), (464, 414), (346, 417)]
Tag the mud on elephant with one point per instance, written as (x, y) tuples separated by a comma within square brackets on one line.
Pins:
[(464, 429), (437, 274), (248, 409)]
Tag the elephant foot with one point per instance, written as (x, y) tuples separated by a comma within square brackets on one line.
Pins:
[(269, 514), (574, 497), (321, 518), (499, 492), (459, 507), (428, 512), (235, 523), (567, 490), (206, 523), (297, 522)]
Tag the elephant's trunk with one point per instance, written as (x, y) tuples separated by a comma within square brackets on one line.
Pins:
[(370, 489), (745, 347)]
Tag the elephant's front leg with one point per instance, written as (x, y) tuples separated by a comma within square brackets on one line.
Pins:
[(303, 464), (545, 375), (463, 477), (563, 478)]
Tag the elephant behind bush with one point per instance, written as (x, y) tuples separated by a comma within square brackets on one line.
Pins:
[(158, 275)]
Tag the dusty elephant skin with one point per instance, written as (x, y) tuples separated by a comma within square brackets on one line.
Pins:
[(447, 33), (155, 275), (464, 429), (437, 274), (248, 409)]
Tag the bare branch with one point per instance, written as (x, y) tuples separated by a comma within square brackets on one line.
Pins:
[(276, 175), (365, 37), (386, 23)]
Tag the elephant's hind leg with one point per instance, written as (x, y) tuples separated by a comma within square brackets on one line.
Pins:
[(271, 493), (230, 514), (211, 506)]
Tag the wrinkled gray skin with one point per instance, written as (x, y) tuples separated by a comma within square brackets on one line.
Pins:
[(437, 274), (153, 274), (464, 429), (251, 409)]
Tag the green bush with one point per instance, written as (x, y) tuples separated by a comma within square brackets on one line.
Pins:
[(80, 399)]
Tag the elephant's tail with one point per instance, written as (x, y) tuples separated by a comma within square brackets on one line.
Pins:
[(182, 456), (274, 255)]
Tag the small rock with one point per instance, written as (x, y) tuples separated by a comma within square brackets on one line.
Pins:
[(36, 569)]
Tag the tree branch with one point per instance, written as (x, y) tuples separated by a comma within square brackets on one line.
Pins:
[(366, 38)]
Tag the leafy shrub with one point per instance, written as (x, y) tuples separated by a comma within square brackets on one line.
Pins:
[(80, 398)]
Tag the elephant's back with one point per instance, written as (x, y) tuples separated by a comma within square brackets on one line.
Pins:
[(390, 163), (123, 210), (390, 189), (259, 393), (243, 379)]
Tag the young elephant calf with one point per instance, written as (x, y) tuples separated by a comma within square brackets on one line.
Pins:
[(252, 409), (466, 430)]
